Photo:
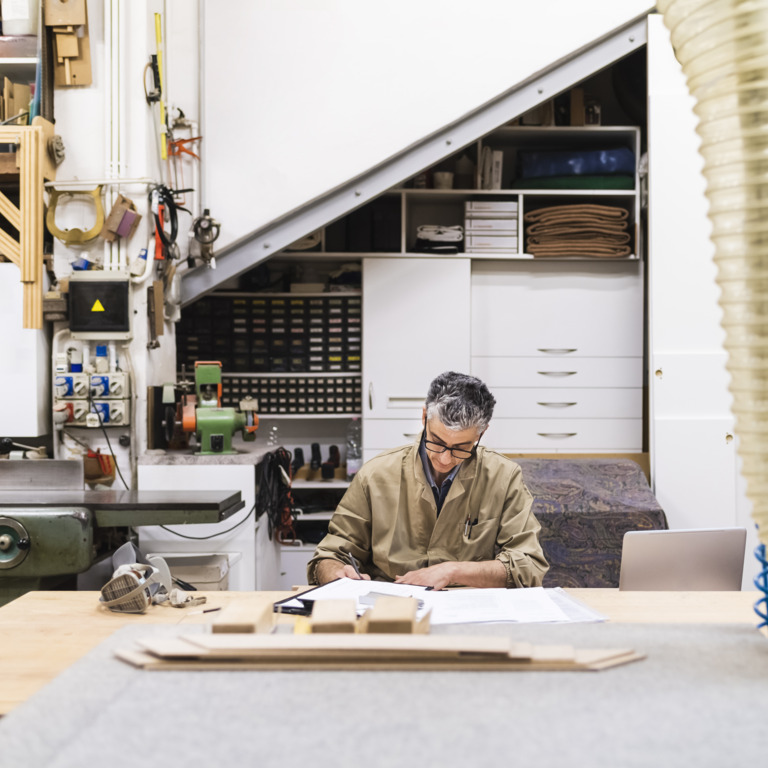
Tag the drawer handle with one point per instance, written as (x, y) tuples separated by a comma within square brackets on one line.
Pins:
[(557, 373), (370, 396), (410, 435), (557, 405), (557, 434), (554, 351)]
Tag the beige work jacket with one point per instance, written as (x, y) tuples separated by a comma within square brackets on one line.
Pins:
[(388, 519)]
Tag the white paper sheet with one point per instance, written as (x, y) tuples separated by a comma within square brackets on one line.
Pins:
[(354, 589), (464, 606), (575, 609), (473, 606)]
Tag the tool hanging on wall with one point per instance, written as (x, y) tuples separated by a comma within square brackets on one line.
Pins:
[(177, 149), (164, 210), (68, 20), (157, 71), (155, 313), (205, 231), (122, 221), (172, 294), (74, 235)]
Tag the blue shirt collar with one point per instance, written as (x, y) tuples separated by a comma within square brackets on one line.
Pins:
[(441, 492)]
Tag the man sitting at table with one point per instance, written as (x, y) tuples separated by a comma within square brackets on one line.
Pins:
[(441, 511)]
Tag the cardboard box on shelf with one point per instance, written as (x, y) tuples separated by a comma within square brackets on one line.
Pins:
[(206, 572)]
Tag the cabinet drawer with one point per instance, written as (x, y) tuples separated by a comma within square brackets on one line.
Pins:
[(546, 403), (380, 434), (513, 435), (536, 372), (521, 307)]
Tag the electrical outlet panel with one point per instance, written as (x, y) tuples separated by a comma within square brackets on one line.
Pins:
[(108, 393), (70, 386), (75, 410), (113, 413), (109, 386)]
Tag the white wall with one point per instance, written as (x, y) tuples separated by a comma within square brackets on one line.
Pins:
[(109, 131), (690, 401), (24, 354), (301, 96), (695, 466)]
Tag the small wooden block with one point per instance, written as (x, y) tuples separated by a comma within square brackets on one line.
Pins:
[(334, 616), (394, 615), (66, 46), (64, 12), (244, 616)]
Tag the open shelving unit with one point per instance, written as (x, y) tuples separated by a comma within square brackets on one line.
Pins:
[(387, 226)]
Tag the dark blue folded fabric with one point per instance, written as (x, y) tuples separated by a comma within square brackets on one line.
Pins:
[(535, 164)]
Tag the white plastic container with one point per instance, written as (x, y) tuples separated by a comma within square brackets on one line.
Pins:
[(20, 17)]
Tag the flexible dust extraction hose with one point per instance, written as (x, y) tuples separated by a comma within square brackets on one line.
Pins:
[(722, 46)]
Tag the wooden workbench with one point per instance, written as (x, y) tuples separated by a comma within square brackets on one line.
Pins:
[(697, 697), (43, 633)]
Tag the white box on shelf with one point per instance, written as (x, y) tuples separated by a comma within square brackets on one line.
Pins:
[(476, 251), (496, 226), (506, 242), (491, 206)]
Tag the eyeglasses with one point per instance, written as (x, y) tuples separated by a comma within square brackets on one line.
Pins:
[(457, 453)]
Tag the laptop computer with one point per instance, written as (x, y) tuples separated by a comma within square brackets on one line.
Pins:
[(687, 559)]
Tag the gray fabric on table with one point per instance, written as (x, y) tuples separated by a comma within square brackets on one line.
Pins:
[(699, 699)]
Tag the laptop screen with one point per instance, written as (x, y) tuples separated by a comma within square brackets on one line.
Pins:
[(685, 560)]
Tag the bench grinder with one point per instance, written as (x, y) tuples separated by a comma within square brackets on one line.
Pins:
[(201, 414)]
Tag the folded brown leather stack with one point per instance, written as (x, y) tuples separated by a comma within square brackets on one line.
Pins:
[(578, 230)]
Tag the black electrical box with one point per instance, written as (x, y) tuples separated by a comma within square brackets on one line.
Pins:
[(99, 307)]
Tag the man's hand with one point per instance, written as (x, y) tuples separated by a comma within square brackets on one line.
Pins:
[(330, 570), (436, 576), (486, 573)]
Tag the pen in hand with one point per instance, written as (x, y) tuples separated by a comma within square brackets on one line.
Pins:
[(353, 561)]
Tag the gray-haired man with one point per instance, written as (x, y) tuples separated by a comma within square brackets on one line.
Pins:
[(441, 511)]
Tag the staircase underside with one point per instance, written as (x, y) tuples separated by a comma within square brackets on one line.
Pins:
[(249, 251)]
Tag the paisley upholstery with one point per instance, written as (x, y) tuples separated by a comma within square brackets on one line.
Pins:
[(585, 506)]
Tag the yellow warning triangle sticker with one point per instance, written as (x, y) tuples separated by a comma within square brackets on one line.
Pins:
[(97, 307)]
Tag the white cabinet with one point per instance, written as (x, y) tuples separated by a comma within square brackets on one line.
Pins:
[(253, 558), (25, 386), (557, 309), (561, 347), (293, 564), (694, 466), (554, 435), (695, 475), (572, 403), (386, 433), (556, 373), (416, 324)]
